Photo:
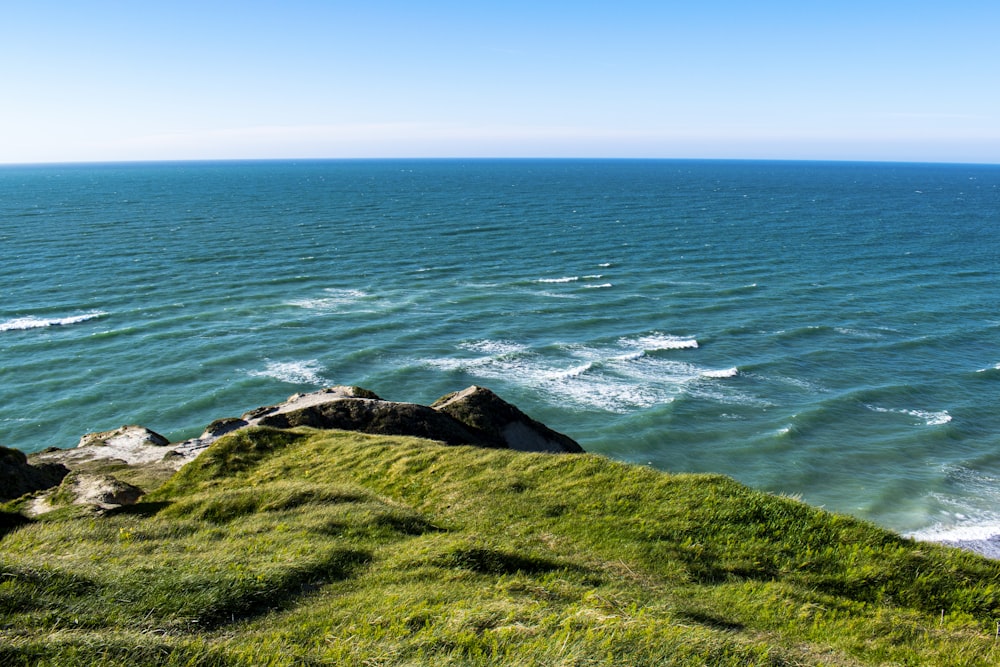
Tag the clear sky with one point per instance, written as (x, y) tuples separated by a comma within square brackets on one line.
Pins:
[(106, 80)]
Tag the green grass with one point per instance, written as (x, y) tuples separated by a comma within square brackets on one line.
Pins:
[(327, 548)]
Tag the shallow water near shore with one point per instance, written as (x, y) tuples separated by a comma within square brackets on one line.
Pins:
[(830, 331)]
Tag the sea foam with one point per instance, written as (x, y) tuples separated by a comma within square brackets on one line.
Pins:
[(617, 377), (23, 323), (930, 418), (659, 341), (722, 373), (335, 299), (565, 279), (293, 372)]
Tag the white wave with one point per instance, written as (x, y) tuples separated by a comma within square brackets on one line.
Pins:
[(582, 384), (659, 341), (337, 299), (494, 347), (612, 395), (972, 532), (618, 377), (575, 371), (605, 265), (723, 373), (930, 418), (601, 286), (967, 514), (645, 369), (566, 279), (989, 368), (496, 360), (979, 533), (596, 276), (23, 323), (293, 372)]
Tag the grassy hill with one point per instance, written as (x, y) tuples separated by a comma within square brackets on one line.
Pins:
[(306, 547)]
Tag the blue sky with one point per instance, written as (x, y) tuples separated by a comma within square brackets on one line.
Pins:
[(105, 81)]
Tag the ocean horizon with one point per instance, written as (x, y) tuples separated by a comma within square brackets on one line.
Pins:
[(828, 330)]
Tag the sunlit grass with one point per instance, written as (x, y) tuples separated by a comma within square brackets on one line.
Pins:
[(307, 547)]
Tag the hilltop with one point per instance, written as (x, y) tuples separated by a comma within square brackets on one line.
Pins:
[(284, 538)]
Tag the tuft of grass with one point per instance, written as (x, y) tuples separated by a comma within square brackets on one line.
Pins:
[(321, 547)]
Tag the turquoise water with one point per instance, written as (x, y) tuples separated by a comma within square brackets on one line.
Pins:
[(825, 330)]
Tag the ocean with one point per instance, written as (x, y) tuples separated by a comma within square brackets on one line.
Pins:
[(829, 331)]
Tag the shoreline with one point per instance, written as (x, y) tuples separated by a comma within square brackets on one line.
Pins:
[(137, 447)]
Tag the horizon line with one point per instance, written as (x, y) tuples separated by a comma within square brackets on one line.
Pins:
[(526, 158)]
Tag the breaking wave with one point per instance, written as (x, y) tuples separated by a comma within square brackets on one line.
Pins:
[(630, 373), (930, 418), (293, 372), (23, 323)]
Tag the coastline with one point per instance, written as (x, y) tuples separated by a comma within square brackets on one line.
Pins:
[(293, 541), (868, 397), (138, 451)]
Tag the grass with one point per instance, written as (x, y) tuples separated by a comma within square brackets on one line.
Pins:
[(321, 547)]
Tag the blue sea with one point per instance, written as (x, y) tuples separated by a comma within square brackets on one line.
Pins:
[(824, 330)]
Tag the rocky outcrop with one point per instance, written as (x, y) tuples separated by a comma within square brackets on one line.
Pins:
[(474, 416), (18, 477), (503, 423), (128, 444), (333, 409), (97, 490)]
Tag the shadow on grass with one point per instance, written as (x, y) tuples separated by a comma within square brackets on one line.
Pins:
[(29, 588), (10, 521), (238, 603), (71, 651), (496, 562), (710, 620), (138, 509)]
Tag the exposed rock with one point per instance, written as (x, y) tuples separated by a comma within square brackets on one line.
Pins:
[(183, 452), (101, 491), (483, 410), (220, 427), (131, 444), (18, 477), (125, 437), (474, 416), (379, 417)]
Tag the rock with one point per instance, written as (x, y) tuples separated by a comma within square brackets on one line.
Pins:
[(127, 437), (475, 416), (220, 427), (183, 452), (101, 491), (376, 417), (131, 444), (18, 477), (483, 410)]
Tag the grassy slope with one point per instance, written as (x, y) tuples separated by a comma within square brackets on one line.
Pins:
[(312, 547)]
